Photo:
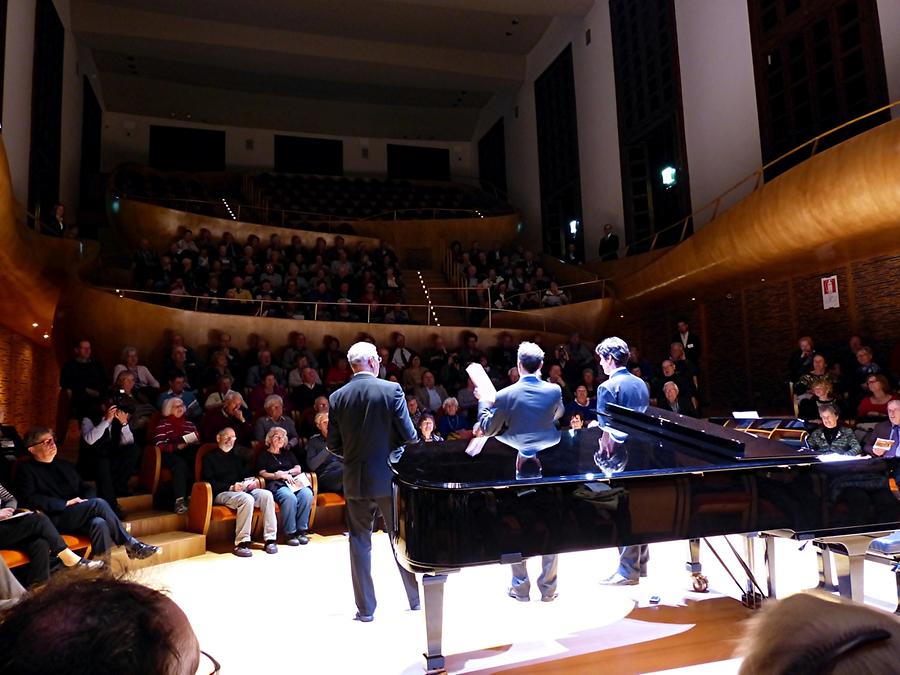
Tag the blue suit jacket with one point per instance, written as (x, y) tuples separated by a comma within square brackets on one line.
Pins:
[(524, 415), (624, 389)]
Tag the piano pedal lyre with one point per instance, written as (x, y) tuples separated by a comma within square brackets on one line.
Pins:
[(699, 581)]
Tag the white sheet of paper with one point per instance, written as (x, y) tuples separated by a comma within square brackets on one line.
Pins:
[(745, 415), (476, 445), (486, 390), (837, 457), (190, 438)]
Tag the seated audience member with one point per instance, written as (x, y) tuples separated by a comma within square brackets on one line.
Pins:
[(230, 414), (268, 387), (297, 349), (427, 434), (554, 296), (217, 397), (588, 380), (338, 375), (143, 406), (819, 370), (582, 404), (284, 478), (801, 361), (216, 370), (865, 366), (436, 357), (830, 437), (256, 374), (875, 405), (412, 406), (555, 376), (329, 468), (453, 424), (83, 378), (177, 439), (670, 374), (821, 396), (306, 394), (143, 378), (675, 402), (183, 360), (307, 426), (412, 375), (80, 625), (11, 591), (34, 535), (54, 487), (812, 633), (396, 314), (465, 398), (576, 421), (887, 431), (178, 389), (226, 474), (429, 395), (108, 451), (275, 417), (401, 356)]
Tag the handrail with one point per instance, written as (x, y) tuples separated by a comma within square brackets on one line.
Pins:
[(758, 176), (200, 302)]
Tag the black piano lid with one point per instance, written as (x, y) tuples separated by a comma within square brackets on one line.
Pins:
[(657, 443)]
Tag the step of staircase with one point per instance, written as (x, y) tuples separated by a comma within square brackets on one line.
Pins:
[(175, 546), (144, 523), (136, 503)]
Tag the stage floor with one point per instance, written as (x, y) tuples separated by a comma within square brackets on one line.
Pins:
[(293, 612)]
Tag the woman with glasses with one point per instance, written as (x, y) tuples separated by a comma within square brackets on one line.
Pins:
[(289, 485), (176, 437), (875, 405)]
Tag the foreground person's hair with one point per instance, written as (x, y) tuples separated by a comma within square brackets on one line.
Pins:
[(809, 634), (81, 624)]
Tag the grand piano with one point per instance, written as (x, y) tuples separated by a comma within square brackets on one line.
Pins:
[(641, 478)]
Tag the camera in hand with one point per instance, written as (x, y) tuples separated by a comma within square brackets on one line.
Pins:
[(123, 401)]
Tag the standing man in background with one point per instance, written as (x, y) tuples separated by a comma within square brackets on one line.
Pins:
[(629, 391), (368, 422), (524, 417), (609, 244)]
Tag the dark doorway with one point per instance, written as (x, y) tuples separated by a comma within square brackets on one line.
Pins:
[(418, 163), (186, 149), (46, 108), (558, 163), (492, 160), (318, 156)]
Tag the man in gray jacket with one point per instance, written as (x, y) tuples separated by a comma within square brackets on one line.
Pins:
[(524, 417)]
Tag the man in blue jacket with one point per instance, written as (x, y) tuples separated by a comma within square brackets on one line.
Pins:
[(629, 391)]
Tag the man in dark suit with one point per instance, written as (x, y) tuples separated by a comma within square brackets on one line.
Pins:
[(524, 417), (368, 423), (609, 244), (624, 389), (889, 430)]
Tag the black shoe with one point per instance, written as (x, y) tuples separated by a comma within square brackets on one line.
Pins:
[(181, 506), (270, 547), (242, 550), (84, 563), (138, 550), (515, 596), (415, 608), (365, 618), (292, 540), (302, 539)]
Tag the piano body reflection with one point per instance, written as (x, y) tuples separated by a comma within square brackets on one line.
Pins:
[(650, 477)]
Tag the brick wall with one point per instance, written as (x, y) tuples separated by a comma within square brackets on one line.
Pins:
[(29, 382)]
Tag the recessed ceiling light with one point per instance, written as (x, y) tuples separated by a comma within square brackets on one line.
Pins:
[(34, 325)]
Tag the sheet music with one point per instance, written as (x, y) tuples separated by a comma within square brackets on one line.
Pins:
[(486, 390), (476, 445)]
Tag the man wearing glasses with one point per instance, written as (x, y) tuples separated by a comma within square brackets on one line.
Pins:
[(54, 487), (368, 422)]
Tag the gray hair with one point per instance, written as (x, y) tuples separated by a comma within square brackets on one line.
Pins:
[(231, 395), (448, 401), (271, 400), (126, 351), (275, 430), (360, 352), (530, 356), (670, 385), (170, 403)]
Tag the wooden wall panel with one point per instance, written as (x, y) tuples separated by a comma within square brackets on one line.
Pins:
[(29, 382), (877, 288)]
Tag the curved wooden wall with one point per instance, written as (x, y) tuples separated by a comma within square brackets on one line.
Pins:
[(837, 207), (587, 318)]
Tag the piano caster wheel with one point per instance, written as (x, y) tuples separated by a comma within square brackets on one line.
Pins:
[(701, 583)]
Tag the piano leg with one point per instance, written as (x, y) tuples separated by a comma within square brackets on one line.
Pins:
[(770, 564), (850, 569), (826, 575), (434, 621), (699, 581), (897, 575)]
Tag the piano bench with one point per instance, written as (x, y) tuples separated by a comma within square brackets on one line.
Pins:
[(887, 546)]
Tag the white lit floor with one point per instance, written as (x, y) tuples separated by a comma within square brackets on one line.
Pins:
[(293, 611)]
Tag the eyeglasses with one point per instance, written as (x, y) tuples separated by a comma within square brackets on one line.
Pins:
[(207, 663), (47, 442)]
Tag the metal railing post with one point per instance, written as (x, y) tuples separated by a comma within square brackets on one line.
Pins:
[(316, 312), (490, 308)]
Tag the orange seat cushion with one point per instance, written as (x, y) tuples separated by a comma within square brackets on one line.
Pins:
[(76, 542), (220, 512), (14, 558), (330, 499)]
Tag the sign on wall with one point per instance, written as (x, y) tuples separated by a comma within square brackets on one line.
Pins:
[(830, 297)]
